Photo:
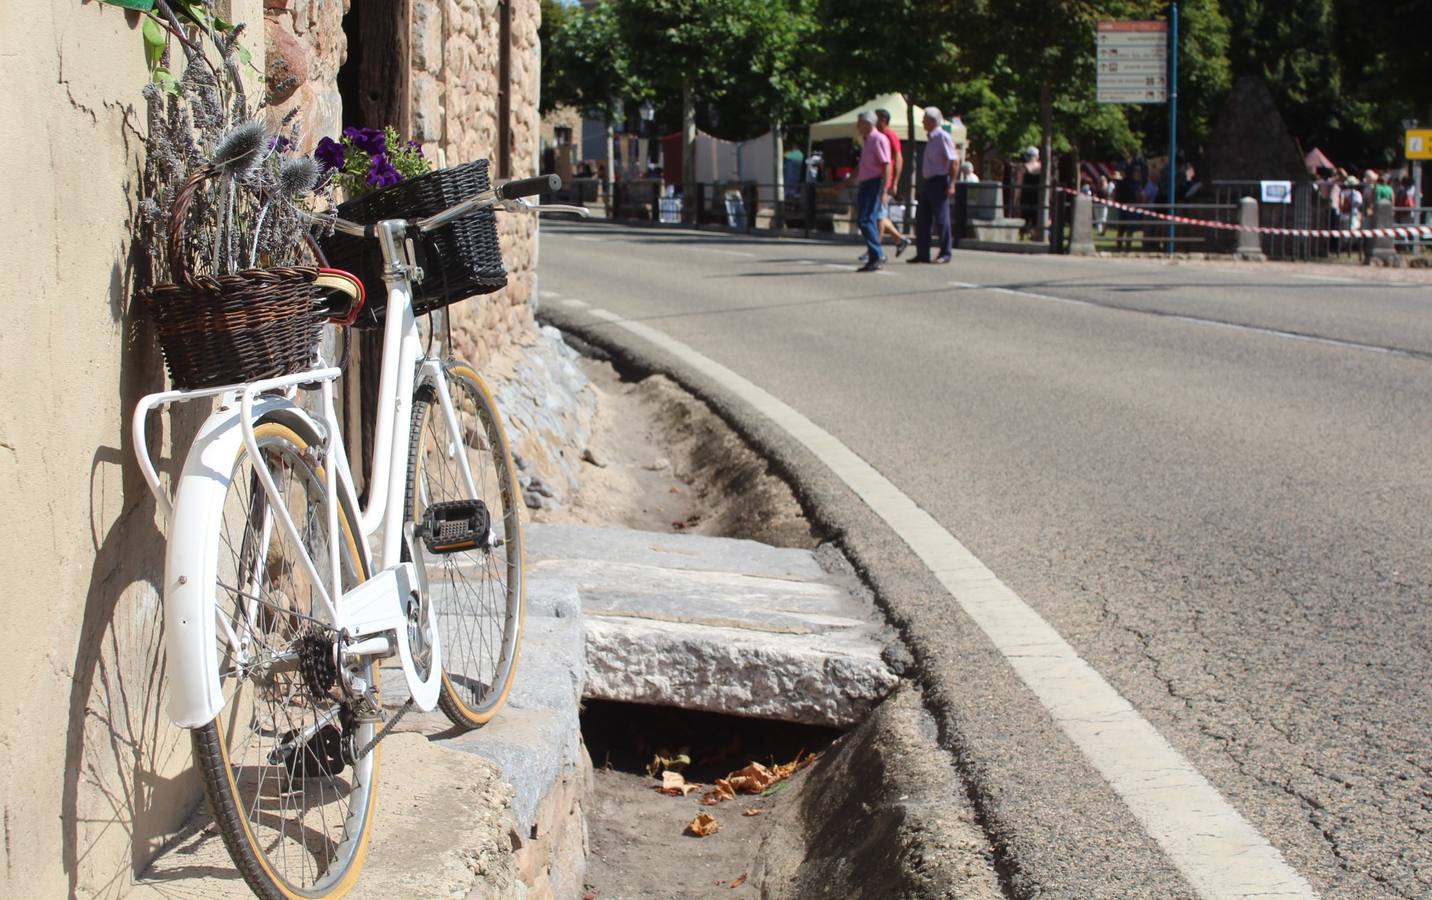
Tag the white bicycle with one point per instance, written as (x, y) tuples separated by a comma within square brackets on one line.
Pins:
[(279, 614)]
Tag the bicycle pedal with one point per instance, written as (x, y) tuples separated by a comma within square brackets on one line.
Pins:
[(456, 525), (320, 755)]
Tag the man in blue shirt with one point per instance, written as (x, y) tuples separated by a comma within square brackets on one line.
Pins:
[(939, 170)]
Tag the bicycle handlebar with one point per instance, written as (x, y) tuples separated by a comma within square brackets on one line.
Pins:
[(508, 192), (526, 187)]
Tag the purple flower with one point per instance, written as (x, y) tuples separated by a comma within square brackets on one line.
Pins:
[(415, 147), (370, 140), (329, 154), (381, 173), (278, 144)]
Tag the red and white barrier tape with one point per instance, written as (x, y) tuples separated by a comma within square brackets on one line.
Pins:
[(1397, 232)]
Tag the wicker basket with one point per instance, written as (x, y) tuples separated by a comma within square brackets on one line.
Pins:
[(229, 329), (461, 259)]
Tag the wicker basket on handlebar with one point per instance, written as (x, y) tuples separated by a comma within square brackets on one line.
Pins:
[(459, 260), (229, 329)]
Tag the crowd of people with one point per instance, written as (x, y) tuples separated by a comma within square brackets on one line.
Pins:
[(1348, 202), (1352, 201)]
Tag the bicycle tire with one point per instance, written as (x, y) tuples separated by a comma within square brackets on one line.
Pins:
[(260, 803), (485, 604)]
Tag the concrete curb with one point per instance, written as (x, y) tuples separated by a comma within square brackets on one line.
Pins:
[(975, 697)]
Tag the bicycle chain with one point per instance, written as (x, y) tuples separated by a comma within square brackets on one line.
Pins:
[(388, 726)]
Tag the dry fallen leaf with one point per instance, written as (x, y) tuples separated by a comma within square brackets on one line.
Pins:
[(755, 779), (753, 811), (721, 792), (673, 784), (703, 825), (739, 881), (664, 760)]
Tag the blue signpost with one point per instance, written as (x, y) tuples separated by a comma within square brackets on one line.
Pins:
[(1172, 117)]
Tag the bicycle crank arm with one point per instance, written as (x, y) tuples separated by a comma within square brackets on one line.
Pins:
[(378, 608)]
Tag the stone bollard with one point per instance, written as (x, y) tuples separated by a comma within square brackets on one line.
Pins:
[(1382, 250), (1250, 247), (1081, 227)]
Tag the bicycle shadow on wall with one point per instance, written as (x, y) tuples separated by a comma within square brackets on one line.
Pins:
[(129, 783)]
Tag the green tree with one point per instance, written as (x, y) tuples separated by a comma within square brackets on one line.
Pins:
[(745, 59), (585, 64)]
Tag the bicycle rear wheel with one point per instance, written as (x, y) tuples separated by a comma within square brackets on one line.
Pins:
[(293, 803), (478, 592)]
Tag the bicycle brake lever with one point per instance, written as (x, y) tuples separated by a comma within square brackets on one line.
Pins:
[(580, 211)]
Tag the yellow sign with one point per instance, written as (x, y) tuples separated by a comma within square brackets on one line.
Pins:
[(1419, 143)]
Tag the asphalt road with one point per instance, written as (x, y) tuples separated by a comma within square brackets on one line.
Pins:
[(1214, 482)]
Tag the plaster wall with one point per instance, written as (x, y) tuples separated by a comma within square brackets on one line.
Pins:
[(94, 777)]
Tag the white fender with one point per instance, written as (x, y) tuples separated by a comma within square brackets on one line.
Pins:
[(191, 563)]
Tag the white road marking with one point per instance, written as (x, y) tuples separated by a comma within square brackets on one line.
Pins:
[(1215, 848), (548, 295), (1194, 320), (1334, 278), (724, 252), (575, 304), (587, 237)]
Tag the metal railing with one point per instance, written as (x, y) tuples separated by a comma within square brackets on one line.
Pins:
[(989, 215)]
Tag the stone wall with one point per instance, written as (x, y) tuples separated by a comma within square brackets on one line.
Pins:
[(453, 102), (305, 46), (453, 99), (455, 85)]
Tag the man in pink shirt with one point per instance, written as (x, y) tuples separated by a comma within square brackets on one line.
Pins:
[(897, 163), (872, 176)]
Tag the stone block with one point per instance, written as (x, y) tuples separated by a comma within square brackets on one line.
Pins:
[(1081, 232), (671, 551), (286, 68), (427, 104), (427, 37), (1250, 247), (816, 679)]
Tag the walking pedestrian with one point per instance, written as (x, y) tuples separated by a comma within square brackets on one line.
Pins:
[(938, 171), (1129, 191), (897, 165), (1103, 190), (872, 177)]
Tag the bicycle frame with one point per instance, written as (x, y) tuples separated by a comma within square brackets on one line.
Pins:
[(375, 616)]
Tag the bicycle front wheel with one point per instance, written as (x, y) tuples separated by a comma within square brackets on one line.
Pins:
[(459, 452), (289, 793)]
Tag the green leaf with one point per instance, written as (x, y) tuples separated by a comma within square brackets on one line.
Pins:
[(141, 5), (166, 80), (154, 41)]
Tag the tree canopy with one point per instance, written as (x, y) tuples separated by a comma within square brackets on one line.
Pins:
[(1344, 75)]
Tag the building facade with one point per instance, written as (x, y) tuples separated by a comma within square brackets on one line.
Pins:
[(96, 781)]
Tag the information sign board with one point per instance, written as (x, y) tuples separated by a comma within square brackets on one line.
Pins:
[(1132, 62), (1419, 143)]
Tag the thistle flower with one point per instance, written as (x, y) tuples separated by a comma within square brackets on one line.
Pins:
[(296, 176), (240, 149)]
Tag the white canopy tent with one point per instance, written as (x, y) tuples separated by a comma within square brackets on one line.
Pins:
[(843, 125)]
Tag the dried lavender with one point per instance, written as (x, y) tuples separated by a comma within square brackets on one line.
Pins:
[(249, 215)]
